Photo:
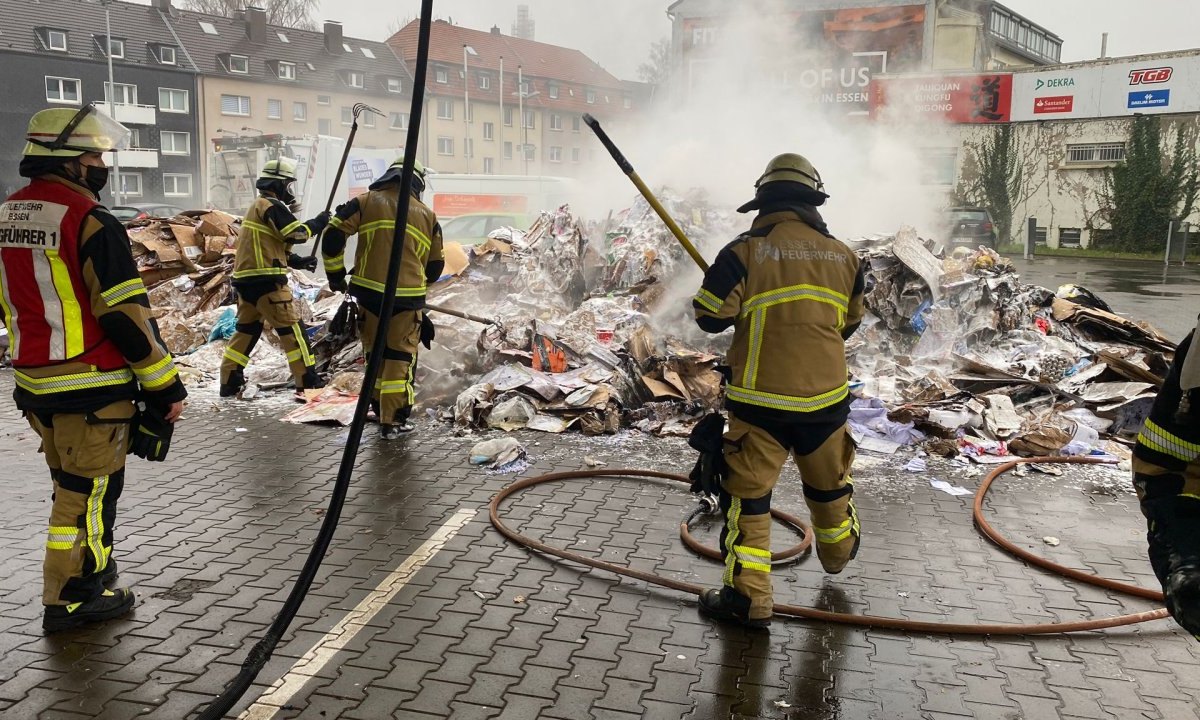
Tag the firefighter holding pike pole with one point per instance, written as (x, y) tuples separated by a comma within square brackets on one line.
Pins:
[(793, 294)]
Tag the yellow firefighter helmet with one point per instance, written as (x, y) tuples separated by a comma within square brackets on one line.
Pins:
[(67, 133), (793, 168)]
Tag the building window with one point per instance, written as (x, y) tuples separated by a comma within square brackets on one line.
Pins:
[(445, 110), (628, 102), (1095, 153), (56, 40), (489, 131), (470, 113), (575, 155), (123, 95), (355, 79), (530, 120), (508, 117), (485, 82), (116, 48), (591, 97), (274, 109), (508, 151), (575, 123), (177, 185), (553, 91), (131, 184), (166, 55), (940, 166), (367, 53), (300, 111), (175, 143), (347, 116), (1069, 237), (394, 85), (397, 121), (287, 71), (469, 148), (441, 76), (445, 146), (488, 168), (368, 119), (556, 121), (324, 127), (530, 152), (237, 105), (207, 27), (323, 100), (282, 37), (555, 154), (172, 100), (62, 90), (239, 64)]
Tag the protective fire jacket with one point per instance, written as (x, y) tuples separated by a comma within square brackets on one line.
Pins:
[(793, 295), (269, 229), (373, 216), (80, 328), (1168, 441)]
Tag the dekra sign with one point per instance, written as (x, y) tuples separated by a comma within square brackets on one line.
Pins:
[(1055, 83)]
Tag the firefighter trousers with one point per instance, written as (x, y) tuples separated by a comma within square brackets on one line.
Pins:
[(755, 455), (394, 392), (276, 309), (86, 456)]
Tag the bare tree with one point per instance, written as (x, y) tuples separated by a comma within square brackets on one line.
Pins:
[(657, 68), (286, 13)]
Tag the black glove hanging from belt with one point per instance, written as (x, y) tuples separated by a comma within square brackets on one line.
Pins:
[(150, 434), (428, 330), (344, 323), (708, 439)]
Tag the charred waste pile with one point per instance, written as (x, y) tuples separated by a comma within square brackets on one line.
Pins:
[(593, 333)]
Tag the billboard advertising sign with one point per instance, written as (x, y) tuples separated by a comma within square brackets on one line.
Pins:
[(1056, 94), (1162, 85), (971, 99)]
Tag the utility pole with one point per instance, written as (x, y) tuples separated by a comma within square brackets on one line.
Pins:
[(500, 140), (467, 106), (112, 98), (524, 130)]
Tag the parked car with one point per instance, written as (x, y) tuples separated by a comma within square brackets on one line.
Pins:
[(473, 229), (129, 213), (971, 227)]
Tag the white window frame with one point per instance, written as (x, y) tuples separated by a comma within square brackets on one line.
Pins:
[(443, 144), (529, 121), (489, 166), (509, 114), (171, 94), (235, 60), (286, 71), (302, 116), (553, 91), (507, 150), (393, 117), (1109, 153), (628, 102), (278, 106), (324, 100), (367, 52), (163, 50), (555, 155), (175, 135), (121, 43), (175, 177), (394, 85), (239, 99), (485, 82), (125, 191), (347, 116), (368, 119), (110, 92), (445, 109), (356, 79), (50, 35), (576, 122), (591, 97), (556, 122), (208, 28), (61, 99), (328, 126), (282, 37), (489, 131), (576, 155), (469, 147), (441, 76)]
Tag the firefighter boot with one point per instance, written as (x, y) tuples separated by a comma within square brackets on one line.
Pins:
[(108, 576), (1182, 592), (237, 381), (728, 605), (311, 380), (106, 606), (401, 426)]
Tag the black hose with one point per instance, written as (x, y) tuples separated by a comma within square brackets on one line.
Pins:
[(262, 651)]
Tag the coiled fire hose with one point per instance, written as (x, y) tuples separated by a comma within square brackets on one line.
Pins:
[(871, 621)]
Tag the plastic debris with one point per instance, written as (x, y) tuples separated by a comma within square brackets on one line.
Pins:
[(950, 489), (497, 452)]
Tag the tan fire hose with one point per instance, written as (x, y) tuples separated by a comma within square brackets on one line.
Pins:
[(807, 613)]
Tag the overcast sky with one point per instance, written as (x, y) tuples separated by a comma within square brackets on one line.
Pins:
[(618, 33)]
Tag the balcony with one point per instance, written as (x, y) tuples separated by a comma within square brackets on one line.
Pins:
[(130, 114), (133, 158)]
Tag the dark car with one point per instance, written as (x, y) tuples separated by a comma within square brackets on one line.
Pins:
[(129, 213), (970, 227)]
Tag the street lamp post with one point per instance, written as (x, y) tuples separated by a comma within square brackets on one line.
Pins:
[(112, 98), (467, 50)]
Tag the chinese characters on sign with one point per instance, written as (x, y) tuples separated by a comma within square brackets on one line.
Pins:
[(967, 99)]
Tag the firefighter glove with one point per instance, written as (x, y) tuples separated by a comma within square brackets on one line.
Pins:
[(319, 223), (302, 262), (708, 438), (428, 331), (337, 281), (150, 436), (344, 322)]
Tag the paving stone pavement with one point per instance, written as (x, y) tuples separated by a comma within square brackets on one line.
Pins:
[(212, 539)]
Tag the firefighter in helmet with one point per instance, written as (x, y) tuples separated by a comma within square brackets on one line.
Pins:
[(793, 294), (1166, 474), (373, 216), (86, 353), (260, 276)]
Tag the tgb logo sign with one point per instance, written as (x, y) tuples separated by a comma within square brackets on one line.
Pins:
[(1150, 76)]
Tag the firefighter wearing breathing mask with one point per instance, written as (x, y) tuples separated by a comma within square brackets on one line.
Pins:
[(260, 276), (793, 294), (86, 353), (373, 216), (1166, 475)]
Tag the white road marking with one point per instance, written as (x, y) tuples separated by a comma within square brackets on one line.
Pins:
[(307, 667)]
